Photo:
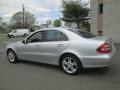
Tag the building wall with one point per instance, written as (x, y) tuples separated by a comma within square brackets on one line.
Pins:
[(93, 15), (111, 18)]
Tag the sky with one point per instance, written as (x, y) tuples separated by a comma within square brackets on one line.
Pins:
[(43, 10)]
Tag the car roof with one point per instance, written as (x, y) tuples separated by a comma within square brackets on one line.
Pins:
[(57, 28), (54, 28)]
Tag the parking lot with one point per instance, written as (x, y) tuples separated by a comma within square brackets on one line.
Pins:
[(36, 76)]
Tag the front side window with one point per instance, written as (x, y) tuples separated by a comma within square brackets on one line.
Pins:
[(37, 37), (15, 31)]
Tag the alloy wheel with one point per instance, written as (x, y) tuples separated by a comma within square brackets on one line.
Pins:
[(69, 65), (11, 56)]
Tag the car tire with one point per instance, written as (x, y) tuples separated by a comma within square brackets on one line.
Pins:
[(71, 64), (12, 57), (25, 35), (12, 36)]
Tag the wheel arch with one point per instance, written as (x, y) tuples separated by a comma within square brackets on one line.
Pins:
[(68, 53), (10, 49), (15, 58)]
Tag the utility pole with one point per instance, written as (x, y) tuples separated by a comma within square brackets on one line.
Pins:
[(23, 8), (37, 24)]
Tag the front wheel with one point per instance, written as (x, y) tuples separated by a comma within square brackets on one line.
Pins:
[(71, 64), (12, 56), (11, 36)]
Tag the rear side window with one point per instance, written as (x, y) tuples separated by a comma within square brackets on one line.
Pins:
[(83, 33), (50, 35), (54, 35)]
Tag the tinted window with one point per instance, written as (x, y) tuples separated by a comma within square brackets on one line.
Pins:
[(54, 35), (50, 35), (62, 37), (37, 37), (82, 33), (14, 31)]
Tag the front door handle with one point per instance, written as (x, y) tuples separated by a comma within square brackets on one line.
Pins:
[(60, 45)]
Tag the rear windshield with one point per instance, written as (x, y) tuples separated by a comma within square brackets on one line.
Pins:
[(83, 33)]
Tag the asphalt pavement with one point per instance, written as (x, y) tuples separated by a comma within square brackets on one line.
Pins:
[(37, 76)]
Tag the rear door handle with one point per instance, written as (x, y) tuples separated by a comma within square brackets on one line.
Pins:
[(60, 45), (36, 45)]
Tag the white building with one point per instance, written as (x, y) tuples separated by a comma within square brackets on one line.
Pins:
[(105, 18)]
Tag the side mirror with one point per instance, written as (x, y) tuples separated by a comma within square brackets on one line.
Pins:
[(24, 41)]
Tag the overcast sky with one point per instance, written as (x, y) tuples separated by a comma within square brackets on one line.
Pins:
[(42, 9)]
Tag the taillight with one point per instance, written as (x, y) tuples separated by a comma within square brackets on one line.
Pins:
[(104, 48)]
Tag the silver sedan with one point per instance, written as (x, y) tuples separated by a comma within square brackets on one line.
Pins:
[(71, 49)]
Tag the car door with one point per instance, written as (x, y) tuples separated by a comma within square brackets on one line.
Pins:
[(15, 33), (31, 49), (53, 44)]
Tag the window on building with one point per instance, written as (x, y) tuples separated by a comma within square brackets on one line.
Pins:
[(101, 8), (100, 33)]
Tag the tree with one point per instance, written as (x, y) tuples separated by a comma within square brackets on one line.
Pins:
[(75, 11), (17, 20), (1, 19), (4, 28), (57, 23)]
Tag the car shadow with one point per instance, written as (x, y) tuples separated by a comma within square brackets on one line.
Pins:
[(38, 64), (92, 72), (95, 71)]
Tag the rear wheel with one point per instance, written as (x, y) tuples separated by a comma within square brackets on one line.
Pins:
[(12, 56), (25, 35), (71, 64)]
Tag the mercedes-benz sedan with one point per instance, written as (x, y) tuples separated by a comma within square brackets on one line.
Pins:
[(71, 49)]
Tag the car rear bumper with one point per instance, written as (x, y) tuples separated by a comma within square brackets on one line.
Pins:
[(98, 61)]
